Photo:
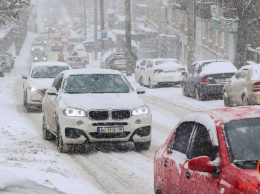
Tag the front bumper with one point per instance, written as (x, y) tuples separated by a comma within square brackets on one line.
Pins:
[(78, 130), (57, 48)]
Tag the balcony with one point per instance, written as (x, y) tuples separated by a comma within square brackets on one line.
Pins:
[(181, 4), (204, 9), (229, 13)]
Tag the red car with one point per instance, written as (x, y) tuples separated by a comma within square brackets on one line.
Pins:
[(214, 151)]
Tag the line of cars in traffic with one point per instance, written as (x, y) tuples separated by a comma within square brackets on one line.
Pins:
[(214, 151)]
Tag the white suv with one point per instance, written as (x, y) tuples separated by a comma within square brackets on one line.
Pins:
[(95, 106)]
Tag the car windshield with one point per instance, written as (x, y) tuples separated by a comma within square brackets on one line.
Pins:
[(37, 44), (97, 83), (165, 61), (73, 40), (242, 138), (47, 71), (74, 59)]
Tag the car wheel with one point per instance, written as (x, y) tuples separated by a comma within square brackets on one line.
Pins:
[(198, 96), (61, 147), (226, 100), (151, 86), (8, 69), (2, 74), (245, 100), (141, 81), (46, 135), (25, 103), (184, 93), (142, 146)]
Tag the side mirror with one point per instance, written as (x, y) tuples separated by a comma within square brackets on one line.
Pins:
[(137, 67), (51, 91), (184, 73), (201, 164), (24, 76), (140, 90)]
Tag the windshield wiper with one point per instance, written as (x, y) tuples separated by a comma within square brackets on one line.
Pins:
[(246, 161), (246, 164)]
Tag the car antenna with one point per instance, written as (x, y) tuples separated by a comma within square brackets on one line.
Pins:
[(257, 73)]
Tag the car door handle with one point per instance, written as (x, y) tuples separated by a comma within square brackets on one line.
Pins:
[(165, 163), (187, 174)]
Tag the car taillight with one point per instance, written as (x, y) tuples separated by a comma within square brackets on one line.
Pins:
[(181, 69), (256, 87), (205, 81), (158, 70)]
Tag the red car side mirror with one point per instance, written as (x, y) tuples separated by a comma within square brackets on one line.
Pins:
[(201, 164)]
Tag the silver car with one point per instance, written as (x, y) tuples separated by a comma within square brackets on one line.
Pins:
[(85, 107)]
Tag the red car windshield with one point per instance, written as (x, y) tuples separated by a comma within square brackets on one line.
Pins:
[(242, 138)]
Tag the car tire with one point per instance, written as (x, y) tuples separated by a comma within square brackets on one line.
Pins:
[(25, 103), (226, 100), (46, 134), (198, 96), (142, 146), (184, 93), (245, 100), (8, 69), (141, 81), (61, 147), (150, 84), (2, 74)]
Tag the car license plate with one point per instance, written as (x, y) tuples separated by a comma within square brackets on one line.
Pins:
[(110, 129)]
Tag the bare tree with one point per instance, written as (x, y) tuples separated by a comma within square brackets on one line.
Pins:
[(11, 10), (246, 17)]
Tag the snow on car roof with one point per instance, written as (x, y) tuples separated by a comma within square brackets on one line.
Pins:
[(210, 117), (219, 67), (91, 71), (49, 63)]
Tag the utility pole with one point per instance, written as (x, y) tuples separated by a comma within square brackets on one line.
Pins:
[(128, 37), (102, 23), (191, 31), (95, 29), (84, 19)]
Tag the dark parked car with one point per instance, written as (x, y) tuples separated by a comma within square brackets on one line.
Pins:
[(11, 57), (205, 79)]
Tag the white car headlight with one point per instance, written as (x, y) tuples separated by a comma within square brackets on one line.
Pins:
[(32, 49), (72, 112), (41, 48), (44, 58), (143, 110), (35, 58), (32, 89)]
